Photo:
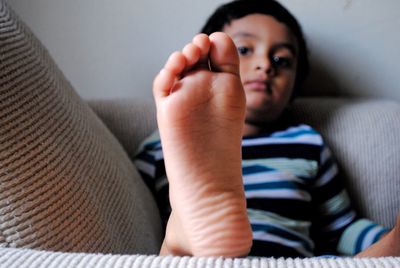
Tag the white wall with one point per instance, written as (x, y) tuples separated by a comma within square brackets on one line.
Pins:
[(114, 48)]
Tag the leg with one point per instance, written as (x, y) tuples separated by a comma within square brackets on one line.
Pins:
[(200, 115), (389, 245)]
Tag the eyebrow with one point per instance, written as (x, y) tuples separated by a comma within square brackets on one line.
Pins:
[(278, 46)]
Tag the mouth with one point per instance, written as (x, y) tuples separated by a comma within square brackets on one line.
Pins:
[(258, 85)]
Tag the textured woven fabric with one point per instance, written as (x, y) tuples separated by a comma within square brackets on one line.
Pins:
[(66, 184), (364, 136), (12, 258), (130, 120)]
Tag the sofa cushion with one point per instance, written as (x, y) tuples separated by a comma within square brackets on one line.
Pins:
[(117, 115), (66, 184), (364, 136)]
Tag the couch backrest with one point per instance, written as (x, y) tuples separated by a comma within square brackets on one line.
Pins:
[(364, 136), (362, 133)]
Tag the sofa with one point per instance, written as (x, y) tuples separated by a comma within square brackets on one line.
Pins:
[(70, 195)]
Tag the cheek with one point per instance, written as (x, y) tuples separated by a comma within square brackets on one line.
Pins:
[(283, 91), (286, 82)]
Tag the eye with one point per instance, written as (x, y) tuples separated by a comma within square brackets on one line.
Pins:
[(281, 62), (243, 51)]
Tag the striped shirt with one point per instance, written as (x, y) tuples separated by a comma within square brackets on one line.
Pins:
[(296, 203)]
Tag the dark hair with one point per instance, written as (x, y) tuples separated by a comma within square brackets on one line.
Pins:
[(237, 9)]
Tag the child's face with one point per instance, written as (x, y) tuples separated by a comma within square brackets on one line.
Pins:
[(268, 64)]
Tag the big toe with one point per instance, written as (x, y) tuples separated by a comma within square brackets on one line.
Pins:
[(223, 54)]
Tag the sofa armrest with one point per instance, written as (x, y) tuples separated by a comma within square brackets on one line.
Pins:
[(130, 120)]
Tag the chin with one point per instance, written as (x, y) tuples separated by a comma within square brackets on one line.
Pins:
[(258, 105)]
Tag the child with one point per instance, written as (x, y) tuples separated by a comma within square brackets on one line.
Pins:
[(244, 179)]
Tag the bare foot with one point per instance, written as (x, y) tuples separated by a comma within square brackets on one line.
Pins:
[(200, 116)]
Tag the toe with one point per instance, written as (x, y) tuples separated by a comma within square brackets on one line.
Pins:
[(192, 54), (176, 63), (163, 83), (202, 41), (223, 54)]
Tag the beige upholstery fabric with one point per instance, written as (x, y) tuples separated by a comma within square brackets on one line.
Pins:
[(364, 136), (66, 184), (11, 258), (130, 120)]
